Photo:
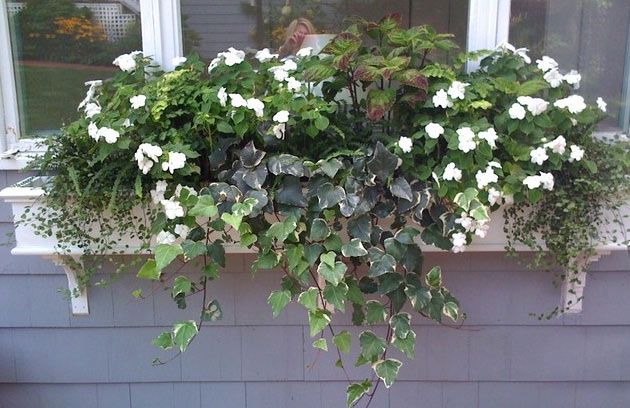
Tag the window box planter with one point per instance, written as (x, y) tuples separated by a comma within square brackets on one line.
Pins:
[(29, 192)]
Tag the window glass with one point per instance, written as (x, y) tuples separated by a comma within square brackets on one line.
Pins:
[(212, 26), (57, 46), (590, 36)]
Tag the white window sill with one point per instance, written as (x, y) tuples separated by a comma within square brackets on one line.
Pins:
[(21, 153)]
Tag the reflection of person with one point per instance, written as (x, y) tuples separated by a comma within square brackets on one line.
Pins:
[(296, 31)]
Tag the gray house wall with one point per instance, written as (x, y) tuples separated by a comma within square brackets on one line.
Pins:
[(500, 358)]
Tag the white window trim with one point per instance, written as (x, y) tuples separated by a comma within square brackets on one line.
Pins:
[(488, 26), (9, 120), (161, 31)]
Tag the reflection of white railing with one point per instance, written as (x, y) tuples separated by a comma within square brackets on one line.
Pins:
[(111, 16)]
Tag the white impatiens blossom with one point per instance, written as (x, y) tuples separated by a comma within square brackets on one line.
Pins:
[(165, 237), (145, 156), (494, 196), (467, 222), (535, 106), (542, 179), (434, 130), (232, 56), (573, 78), (440, 99), (554, 78), (177, 61), (93, 131), (601, 104), (576, 153), (538, 155), (574, 103), (92, 109), (482, 228), (517, 111), (110, 135), (546, 179), (490, 136), (281, 117), (293, 84), (532, 182), (557, 145), (486, 177), (405, 144), (466, 139), (546, 63), (278, 130), (257, 106), (279, 74), (223, 96), (175, 161), (182, 230), (457, 90), (137, 101), (289, 65), (451, 172), (264, 55), (237, 101), (172, 209), (213, 64), (304, 52), (458, 240), (91, 92), (521, 52), (126, 62), (157, 194)]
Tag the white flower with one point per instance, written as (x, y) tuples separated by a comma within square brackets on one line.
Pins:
[(517, 111), (573, 78), (177, 61), (278, 130), (434, 130), (257, 106), (451, 172), (264, 55), (538, 155), (521, 52), (535, 106), (237, 101), (467, 223), (490, 136), (494, 196), (165, 237), (137, 101), (576, 153), (92, 109), (481, 228), (457, 90), (458, 240), (546, 63), (546, 179), (222, 95), (532, 182), (601, 104), (304, 52), (126, 62), (484, 178), (93, 131), (557, 145), (213, 64), (494, 164), (157, 195), (405, 144), (466, 139), (440, 99), (279, 74), (281, 117), (175, 161), (127, 123), (91, 92), (182, 230), (172, 209), (554, 78), (232, 56), (574, 103), (289, 65), (293, 84), (146, 155), (110, 135)]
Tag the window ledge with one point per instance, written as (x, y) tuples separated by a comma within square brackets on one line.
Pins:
[(21, 153)]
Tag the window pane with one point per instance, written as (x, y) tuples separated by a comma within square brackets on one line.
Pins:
[(212, 26), (587, 35), (57, 46)]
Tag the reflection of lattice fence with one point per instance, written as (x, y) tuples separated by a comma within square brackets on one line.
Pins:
[(111, 16)]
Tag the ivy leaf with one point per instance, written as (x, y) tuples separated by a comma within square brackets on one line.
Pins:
[(387, 370), (318, 320), (451, 309), (193, 249), (183, 333), (286, 164), (181, 284), (330, 195), (250, 156), (290, 192), (336, 295), (372, 346), (383, 162), (360, 228), (382, 265), (466, 197), (333, 274), (204, 207), (343, 341), (401, 324), (266, 261), (165, 254), (400, 188), (281, 230), (321, 344), (388, 283), (212, 312), (353, 248), (407, 344), (279, 299), (149, 271), (434, 277), (308, 298), (164, 340), (312, 253), (355, 391), (216, 251), (418, 295), (232, 219), (375, 312), (319, 230)]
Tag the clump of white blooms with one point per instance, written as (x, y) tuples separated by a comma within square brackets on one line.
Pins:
[(91, 92), (576, 153), (486, 177), (573, 78), (538, 155), (494, 196), (466, 138), (232, 56), (304, 52), (127, 62), (574, 103), (175, 161), (237, 101), (223, 96), (177, 61), (451, 172), (182, 230), (165, 238), (257, 106), (490, 136), (441, 100), (293, 84), (172, 208), (557, 145), (92, 109), (93, 131), (535, 106), (542, 179), (279, 130), (110, 135), (434, 130), (137, 101), (521, 52), (601, 104), (554, 78), (265, 55), (457, 90), (405, 144), (281, 117), (517, 111), (458, 240), (146, 155), (157, 194)]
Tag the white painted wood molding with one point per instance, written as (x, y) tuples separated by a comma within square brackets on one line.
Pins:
[(572, 289), (78, 294)]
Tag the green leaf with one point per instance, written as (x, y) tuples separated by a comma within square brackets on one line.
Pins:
[(383, 162), (321, 344), (343, 341), (308, 298), (319, 230), (464, 198), (212, 312), (434, 277), (401, 324), (204, 207), (372, 346), (216, 251), (193, 249), (278, 300), (407, 345), (281, 230), (149, 271), (382, 265), (183, 333), (165, 254), (451, 309), (419, 296), (181, 284), (354, 292), (333, 274), (321, 123), (355, 391), (164, 340), (387, 370), (336, 295), (375, 312), (354, 248), (266, 261), (233, 220), (318, 320)]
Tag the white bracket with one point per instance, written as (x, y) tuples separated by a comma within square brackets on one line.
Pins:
[(573, 286), (72, 265)]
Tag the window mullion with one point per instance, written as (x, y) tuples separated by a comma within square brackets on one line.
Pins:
[(10, 122), (161, 31)]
